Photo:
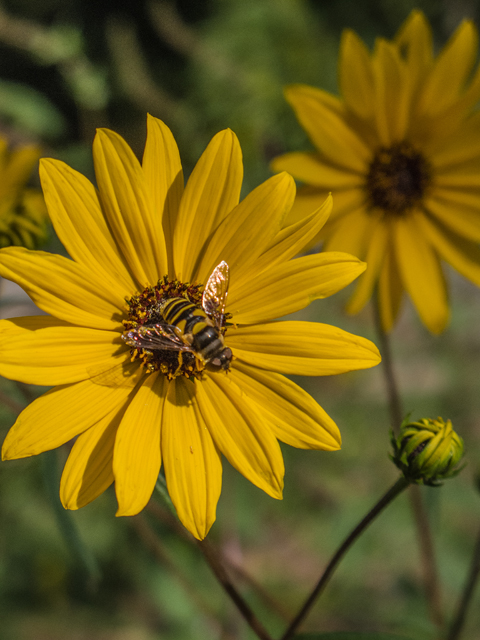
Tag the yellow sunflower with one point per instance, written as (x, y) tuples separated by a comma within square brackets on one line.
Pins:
[(23, 214), (401, 152), (142, 241)]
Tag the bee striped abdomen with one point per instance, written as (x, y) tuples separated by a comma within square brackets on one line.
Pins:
[(194, 327)]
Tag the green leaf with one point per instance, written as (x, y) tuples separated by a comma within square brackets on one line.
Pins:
[(350, 635)]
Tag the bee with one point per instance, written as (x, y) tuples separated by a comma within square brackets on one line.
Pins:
[(191, 327)]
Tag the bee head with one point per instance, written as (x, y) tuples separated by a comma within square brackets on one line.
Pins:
[(222, 360)]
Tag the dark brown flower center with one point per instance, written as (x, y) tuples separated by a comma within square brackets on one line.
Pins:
[(397, 179), (144, 310)]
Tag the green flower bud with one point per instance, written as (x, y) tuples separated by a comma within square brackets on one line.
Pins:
[(427, 451)]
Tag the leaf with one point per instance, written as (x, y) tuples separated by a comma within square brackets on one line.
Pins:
[(350, 635)]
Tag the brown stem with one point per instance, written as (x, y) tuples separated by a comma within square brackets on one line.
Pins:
[(152, 542), (215, 564), (425, 538), (466, 598), (12, 404), (392, 493)]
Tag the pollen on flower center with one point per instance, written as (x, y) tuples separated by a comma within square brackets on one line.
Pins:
[(144, 313), (397, 179)]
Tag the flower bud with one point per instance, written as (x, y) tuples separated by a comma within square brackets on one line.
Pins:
[(427, 451)]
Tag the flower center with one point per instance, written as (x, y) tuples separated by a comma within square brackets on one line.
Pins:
[(397, 178), (161, 344)]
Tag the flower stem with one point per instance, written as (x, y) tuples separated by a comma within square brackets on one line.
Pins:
[(425, 538), (218, 569), (467, 595), (392, 493)]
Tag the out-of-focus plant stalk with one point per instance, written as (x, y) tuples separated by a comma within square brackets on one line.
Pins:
[(458, 622), (401, 484), (422, 523)]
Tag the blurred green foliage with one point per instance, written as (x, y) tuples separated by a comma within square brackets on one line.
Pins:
[(69, 66)]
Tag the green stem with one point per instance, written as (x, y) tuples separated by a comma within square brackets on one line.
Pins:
[(467, 595), (422, 524), (218, 569), (390, 495)]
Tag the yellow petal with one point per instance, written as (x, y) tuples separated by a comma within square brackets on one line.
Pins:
[(392, 93), (323, 118), (291, 286), (451, 69), (287, 243), (242, 433), (355, 75), (462, 254), (390, 290), (64, 288), (463, 146), (79, 222), (415, 42), (164, 176), (458, 210), (421, 273), (374, 259), (88, 470), (311, 169), (193, 467), (352, 233), (302, 348), (136, 458), (250, 227), (307, 200), (295, 417), (45, 351), (60, 415), (18, 169), (212, 191), (128, 207)]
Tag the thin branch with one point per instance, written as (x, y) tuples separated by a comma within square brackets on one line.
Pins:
[(390, 495), (213, 560), (152, 542), (467, 595), (422, 524)]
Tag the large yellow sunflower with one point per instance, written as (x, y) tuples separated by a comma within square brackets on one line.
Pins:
[(136, 243), (23, 215), (401, 152)]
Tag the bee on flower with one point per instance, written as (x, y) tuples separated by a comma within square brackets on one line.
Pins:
[(161, 339), (400, 150)]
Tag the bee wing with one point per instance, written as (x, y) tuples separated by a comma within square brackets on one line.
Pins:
[(214, 299), (156, 336)]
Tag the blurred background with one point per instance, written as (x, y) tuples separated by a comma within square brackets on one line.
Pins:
[(69, 66)]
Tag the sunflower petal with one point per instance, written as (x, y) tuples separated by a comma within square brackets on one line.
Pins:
[(462, 254), (335, 139), (46, 351), (246, 440), (60, 415), (295, 417), (63, 288), (302, 348), (193, 468), (78, 219), (311, 169), (212, 191), (292, 285), (164, 177), (128, 207), (136, 458), (421, 273), (356, 75), (240, 239), (88, 471)]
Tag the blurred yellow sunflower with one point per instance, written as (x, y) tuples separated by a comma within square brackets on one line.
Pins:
[(23, 214), (401, 152), (138, 244)]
